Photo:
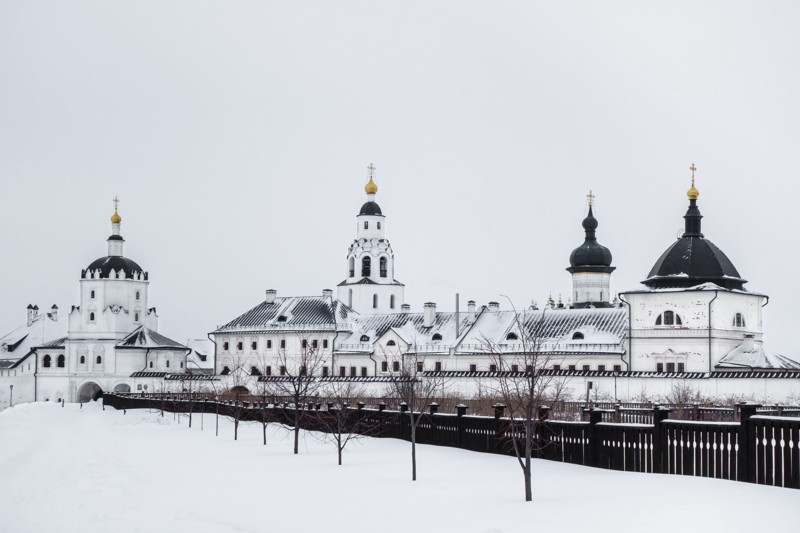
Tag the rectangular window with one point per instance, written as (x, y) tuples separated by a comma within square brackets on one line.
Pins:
[(681, 367), (225, 346), (515, 368), (659, 367), (473, 368), (601, 368), (283, 343), (269, 370), (586, 368), (269, 344), (254, 346), (492, 368), (325, 371), (304, 343), (239, 346), (670, 367), (303, 370), (363, 371), (283, 370), (420, 366), (617, 368), (384, 366), (314, 343), (342, 371), (395, 366), (438, 366), (571, 368), (556, 367), (324, 343)]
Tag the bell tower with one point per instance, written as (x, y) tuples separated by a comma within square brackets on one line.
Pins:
[(370, 286)]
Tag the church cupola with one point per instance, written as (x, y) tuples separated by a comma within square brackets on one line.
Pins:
[(693, 260), (115, 240), (114, 266), (370, 286), (590, 266)]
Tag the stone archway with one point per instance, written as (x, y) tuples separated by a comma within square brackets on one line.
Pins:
[(89, 392), (122, 387)]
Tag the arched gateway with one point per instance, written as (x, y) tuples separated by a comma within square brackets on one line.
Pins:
[(89, 391)]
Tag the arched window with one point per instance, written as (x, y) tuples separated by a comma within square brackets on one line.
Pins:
[(383, 267), (374, 301), (352, 266), (167, 363), (391, 343), (225, 371), (136, 317), (391, 301), (60, 361), (364, 338), (137, 295), (91, 316), (738, 321), (669, 318), (46, 361), (91, 294), (151, 364), (282, 318), (379, 225), (512, 337), (436, 337), (366, 224), (577, 336), (99, 360), (83, 360), (366, 266)]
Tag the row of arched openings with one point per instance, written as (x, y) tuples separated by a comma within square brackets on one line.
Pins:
[(366, 267), (47, 361)]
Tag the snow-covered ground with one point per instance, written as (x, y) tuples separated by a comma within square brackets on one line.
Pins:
[(67, 469)]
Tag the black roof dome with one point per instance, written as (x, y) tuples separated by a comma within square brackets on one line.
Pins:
[(590, 256), (693, 260), (370, 208), (104, 266)]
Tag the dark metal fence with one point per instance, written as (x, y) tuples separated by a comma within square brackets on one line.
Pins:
[(757, 448)]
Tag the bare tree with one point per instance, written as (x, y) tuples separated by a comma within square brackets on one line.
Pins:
[(415, 389), (263, 391), (341, 423), (298, 381), (523, 387)]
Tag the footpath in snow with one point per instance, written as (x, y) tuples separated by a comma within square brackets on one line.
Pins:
[(87, 470)]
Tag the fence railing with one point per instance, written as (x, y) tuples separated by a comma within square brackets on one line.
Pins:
[(757, 448)]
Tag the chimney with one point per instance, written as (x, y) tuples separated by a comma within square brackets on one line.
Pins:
[(31, 314), (749, 344), (471, 312), (405, 308), (54, 313), (271, 295), (429, 315), (494, 306), (327, 293)]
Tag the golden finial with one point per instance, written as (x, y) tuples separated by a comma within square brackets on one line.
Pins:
[(693, 193), (590, 198), (115, 218), (371, 188)]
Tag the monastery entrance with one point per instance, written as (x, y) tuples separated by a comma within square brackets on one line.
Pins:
[(89, 392), (122, 387)]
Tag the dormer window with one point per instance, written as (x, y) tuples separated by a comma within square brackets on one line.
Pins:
[(282, 318), (364, 338), (669, 318), (436, 337), (512, 337), (577, 336), (391, 343), (738, 321)]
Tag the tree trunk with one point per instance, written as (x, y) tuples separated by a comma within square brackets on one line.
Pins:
[(296, 433), (527, 469), (340, 454), (413, 449), (236, 427), (265, 433)]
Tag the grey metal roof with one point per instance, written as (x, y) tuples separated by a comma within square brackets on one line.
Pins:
[(58, 343), (146, 338), (307, 312)]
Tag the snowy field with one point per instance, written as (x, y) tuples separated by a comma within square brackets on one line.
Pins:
[(66, 469)]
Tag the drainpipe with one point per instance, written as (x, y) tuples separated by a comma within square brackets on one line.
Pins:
[(716, 293), (36, 377), (630, 330), (215, 352)]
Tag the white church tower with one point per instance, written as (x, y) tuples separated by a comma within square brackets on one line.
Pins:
[(370, 286), (590, 266)]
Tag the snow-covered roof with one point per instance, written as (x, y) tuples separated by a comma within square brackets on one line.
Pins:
[(757, 357), (145, 338), (410, 327), (292, 313), (201, 356), (708, 286), (43, 329)]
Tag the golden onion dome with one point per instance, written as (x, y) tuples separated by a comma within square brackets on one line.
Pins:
[(693, 193), (115, 218), (370, 187)]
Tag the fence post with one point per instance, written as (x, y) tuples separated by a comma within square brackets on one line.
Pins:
[(595, 417), (499, 427), (617, 414), (746, 464), (461, 410), (433, 407), (660, 446)]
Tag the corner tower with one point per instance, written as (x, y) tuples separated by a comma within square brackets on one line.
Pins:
[(370, 286), (590, 266)]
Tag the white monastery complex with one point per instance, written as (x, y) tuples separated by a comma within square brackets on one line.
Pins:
[(692, 323)]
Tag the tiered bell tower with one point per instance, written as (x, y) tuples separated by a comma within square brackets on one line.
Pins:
[(370, 286), (590, 266)]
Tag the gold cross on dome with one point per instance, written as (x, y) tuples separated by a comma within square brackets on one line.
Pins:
[(371, 169), (692, 168), (116, 203), (590, 198)]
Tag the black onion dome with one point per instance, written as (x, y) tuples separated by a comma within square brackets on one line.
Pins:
[(370, 208), (104, 266), (693, 260), (590, 256)]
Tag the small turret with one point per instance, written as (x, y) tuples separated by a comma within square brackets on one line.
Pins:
[(590, 266)]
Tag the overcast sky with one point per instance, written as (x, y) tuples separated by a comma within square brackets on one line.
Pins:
[(237, 136)]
